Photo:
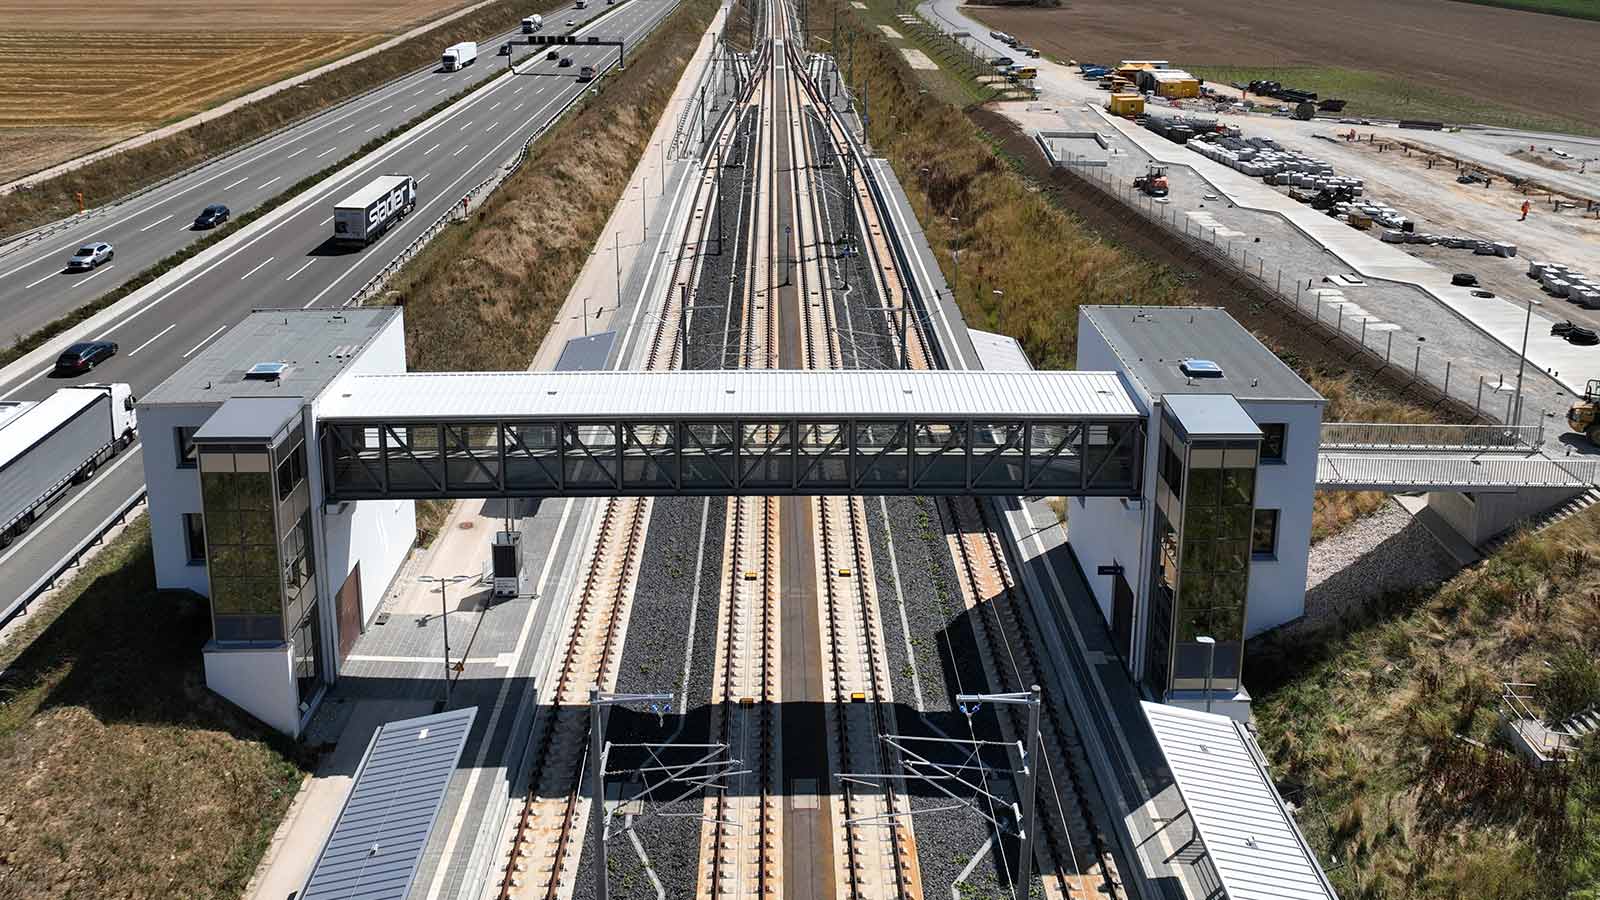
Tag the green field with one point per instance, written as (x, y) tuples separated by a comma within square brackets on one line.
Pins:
[(1575, 9), (1389, 96)]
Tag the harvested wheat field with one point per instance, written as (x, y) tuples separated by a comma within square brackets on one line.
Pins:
[(1505, 57), (75, 77)]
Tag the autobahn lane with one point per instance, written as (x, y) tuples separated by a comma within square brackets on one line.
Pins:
[(290, 263), (35, 289)]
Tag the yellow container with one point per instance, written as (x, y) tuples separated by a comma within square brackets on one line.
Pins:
[(1125, 104)]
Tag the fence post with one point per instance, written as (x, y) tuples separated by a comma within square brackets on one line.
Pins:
[(1389, 350), (1280, 289), (1477, 404), (1363, 332), (1417, 366), (1340, 326), (1447, 379)]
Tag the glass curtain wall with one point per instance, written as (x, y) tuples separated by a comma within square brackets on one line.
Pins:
[(1205, 502), (257, 503)]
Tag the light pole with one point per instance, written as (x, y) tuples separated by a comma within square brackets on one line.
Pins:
[(444, 582), (1211, 661), (1522, 359), (955, 253)]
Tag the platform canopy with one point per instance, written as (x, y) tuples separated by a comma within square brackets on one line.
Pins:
[(537, 434), (1249, 836)]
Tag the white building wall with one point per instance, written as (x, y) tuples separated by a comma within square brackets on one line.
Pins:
[(171, 492), (1278, 586), (259, 680), (376, 533)]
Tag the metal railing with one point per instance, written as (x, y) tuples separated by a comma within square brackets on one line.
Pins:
[(1321, 306), (1431, 438), (1517, 711)]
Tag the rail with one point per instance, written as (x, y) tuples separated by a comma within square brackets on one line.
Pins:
[(1387, 437), (71, 559)]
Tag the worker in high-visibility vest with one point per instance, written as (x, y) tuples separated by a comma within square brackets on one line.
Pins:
[(1525, 208)]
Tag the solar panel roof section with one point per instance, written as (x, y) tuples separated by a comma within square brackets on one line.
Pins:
[(750, 394), (379, 837), (1257, 850)]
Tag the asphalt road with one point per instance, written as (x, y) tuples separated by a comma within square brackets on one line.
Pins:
[(35, 289), (292, 264)]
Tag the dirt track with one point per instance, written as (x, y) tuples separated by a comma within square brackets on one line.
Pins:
[(1460, 47)]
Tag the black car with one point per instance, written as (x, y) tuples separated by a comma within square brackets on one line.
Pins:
[(1464, 279), (85, 355), (212, 216), (565, 62)]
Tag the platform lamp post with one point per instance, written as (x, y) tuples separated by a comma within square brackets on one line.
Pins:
[(1522, 358), (1210, 644), (444, 582)]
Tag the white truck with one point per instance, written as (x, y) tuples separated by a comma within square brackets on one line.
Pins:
[(532, 24), (48, 445), (459, 56), (364, 216)]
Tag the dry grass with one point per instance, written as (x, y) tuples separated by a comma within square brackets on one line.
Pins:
[(120, 774), (494, 285), (1361, 727), (103, 72), (163, 93)]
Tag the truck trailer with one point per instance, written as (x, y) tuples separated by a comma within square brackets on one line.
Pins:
[(48, 445), (364, 216), (532, 24), (459, 56)]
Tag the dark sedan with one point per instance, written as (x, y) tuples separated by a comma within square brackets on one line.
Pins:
[(84, 355), (212, 216)]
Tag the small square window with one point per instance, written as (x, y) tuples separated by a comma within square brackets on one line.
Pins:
[(194, 537), (1273, 435), (1264, 535), (183, 440)]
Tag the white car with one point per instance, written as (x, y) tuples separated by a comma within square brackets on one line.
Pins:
[(90, 256)]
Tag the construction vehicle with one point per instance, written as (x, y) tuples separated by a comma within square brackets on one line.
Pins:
[(1584, 416), (1153, 182)]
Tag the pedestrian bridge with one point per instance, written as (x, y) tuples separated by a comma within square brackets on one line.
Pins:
[(1476, 458), (766, 432)]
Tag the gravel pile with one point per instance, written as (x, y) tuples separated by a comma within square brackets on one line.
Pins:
[(1384, 552)]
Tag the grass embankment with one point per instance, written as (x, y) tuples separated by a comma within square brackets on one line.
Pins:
[(1572, 9), (1380, 95), (120, 774), (495, 284), (107, 180), (1018, 237), (482, 295), (1362, 728)]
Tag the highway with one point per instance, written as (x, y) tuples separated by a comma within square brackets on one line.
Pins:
[(35, 289), (289, 262)]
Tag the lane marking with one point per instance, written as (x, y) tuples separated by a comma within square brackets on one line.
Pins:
[(153, 340), (257, 266), (387, 108), (296, 153), (459, 149), (409, 108), (496, 106), (155, 223), (424, 177), (325, 221), (301, 269), (265, 183), (373, 125), (430, 149), (41, 281), (517, 107), (440, 91), (103, 269), (419, 93), (205, 340), (346, 128), (465, 125), (326, 152), (490, 126), (235, 184)]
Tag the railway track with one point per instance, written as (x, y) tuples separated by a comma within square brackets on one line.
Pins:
[(1075, 859), (547, 834)]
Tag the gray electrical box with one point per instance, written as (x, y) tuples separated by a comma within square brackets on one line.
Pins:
[(506, 563)]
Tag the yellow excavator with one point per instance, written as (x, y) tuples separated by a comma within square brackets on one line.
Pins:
[(1584, 416)]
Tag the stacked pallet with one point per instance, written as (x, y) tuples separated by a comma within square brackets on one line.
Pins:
[(1561, 280)]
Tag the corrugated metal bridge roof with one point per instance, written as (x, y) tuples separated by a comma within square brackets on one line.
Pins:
[(1358, 471), (748, 394), (379, 837)]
